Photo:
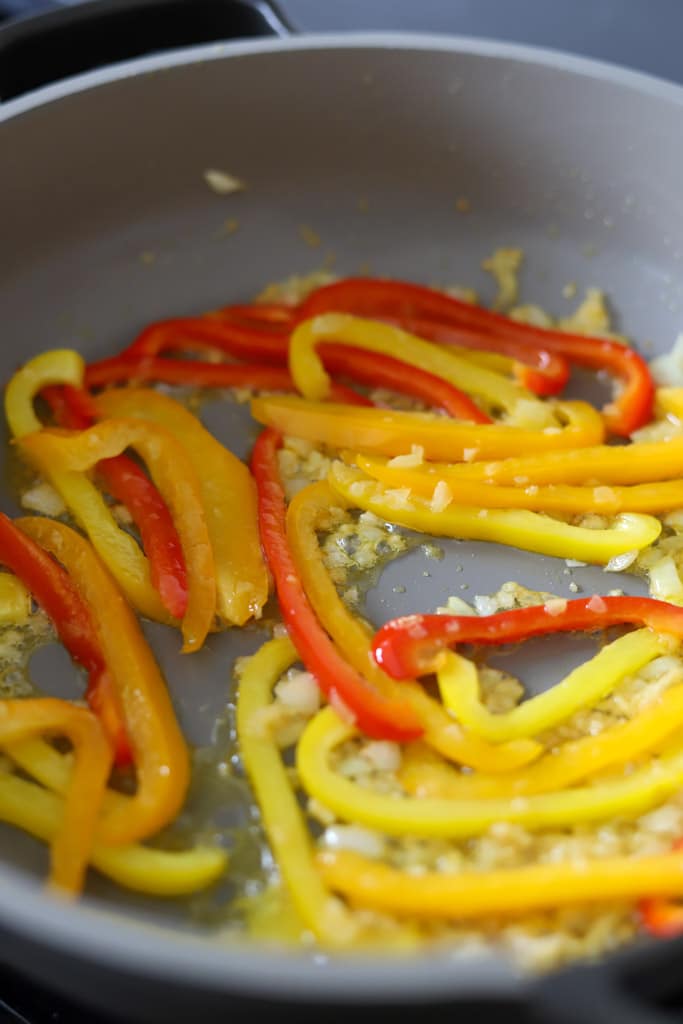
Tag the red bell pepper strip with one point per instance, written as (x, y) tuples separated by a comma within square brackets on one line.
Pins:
[(276, 314), (631, 409), (58, 597), (410, 646), (347, 691), (365, 367), (661, 917), (129, 484), (236, 338)]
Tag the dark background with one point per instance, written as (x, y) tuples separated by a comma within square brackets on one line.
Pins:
[(644, 34)]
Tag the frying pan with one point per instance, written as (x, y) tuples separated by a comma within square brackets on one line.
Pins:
[(107, 223)]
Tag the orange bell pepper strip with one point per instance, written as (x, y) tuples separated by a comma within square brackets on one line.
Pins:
[(159, 751), (307, 511), (22, 719), (653, 498), (128, 484), (469, 894), (629, 410), (227, 493), (175, 478), (394, 433)]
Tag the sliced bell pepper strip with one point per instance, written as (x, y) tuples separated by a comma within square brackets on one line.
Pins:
[(61, 602), (632, 794), (227, 492), (281, 814), (414, 645), (598, 465), (583, 687), (628, 411), (275, 314), (669, 402), (72, 841), (141, 868), (159, 750), (530, 531), (393, 433), (175, 477), (662, 917), (307, 511), (377, 715), (653, 498), (423, 774), (313, 382), (128, 484), (366, 367), (240, 339), (117, 548), (15, 599), (542, 372), (521, 890)]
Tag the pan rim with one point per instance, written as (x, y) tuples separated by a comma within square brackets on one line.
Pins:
[(150, 951)]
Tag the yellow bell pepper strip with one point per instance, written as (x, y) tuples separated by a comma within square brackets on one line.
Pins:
[(414, 644), (530, 531), (654, 498), (630, 795), (282, 818), (118, 549), (437, 895), (313, 381), (15, 599), (228, 496), (140, 868), (630, 408), (175, 477), (582, 688), (307, 511), (379, 716), (669, 402), (72, 842), (602, 464), (393, 433), (422, 773), (159, 750)]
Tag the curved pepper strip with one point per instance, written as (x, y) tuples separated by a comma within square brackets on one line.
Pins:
[(414, 645), (601, 464), (228, 497), (128, 484), (425, 775), (118, 549), (275, 314), (530, 531), (662, 917), (628, 411), (15, 599), (654, 498), (542, 372), (393, 433), (73, 838), (469, 894), (175, 477), (631, 794), (57, 596), (582, 688), (241, 340), (366, 367), (307, 511), (281, 815), (140, 868), (376, 714), (159, 750), (669, 402), (313, 382)]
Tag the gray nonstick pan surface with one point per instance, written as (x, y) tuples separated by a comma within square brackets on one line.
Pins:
[(576, 162)]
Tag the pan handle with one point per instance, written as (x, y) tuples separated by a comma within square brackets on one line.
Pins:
[(642, 985), (40, 49)]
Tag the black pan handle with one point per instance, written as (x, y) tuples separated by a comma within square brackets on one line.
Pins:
[(38, 50), (642, 985)]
